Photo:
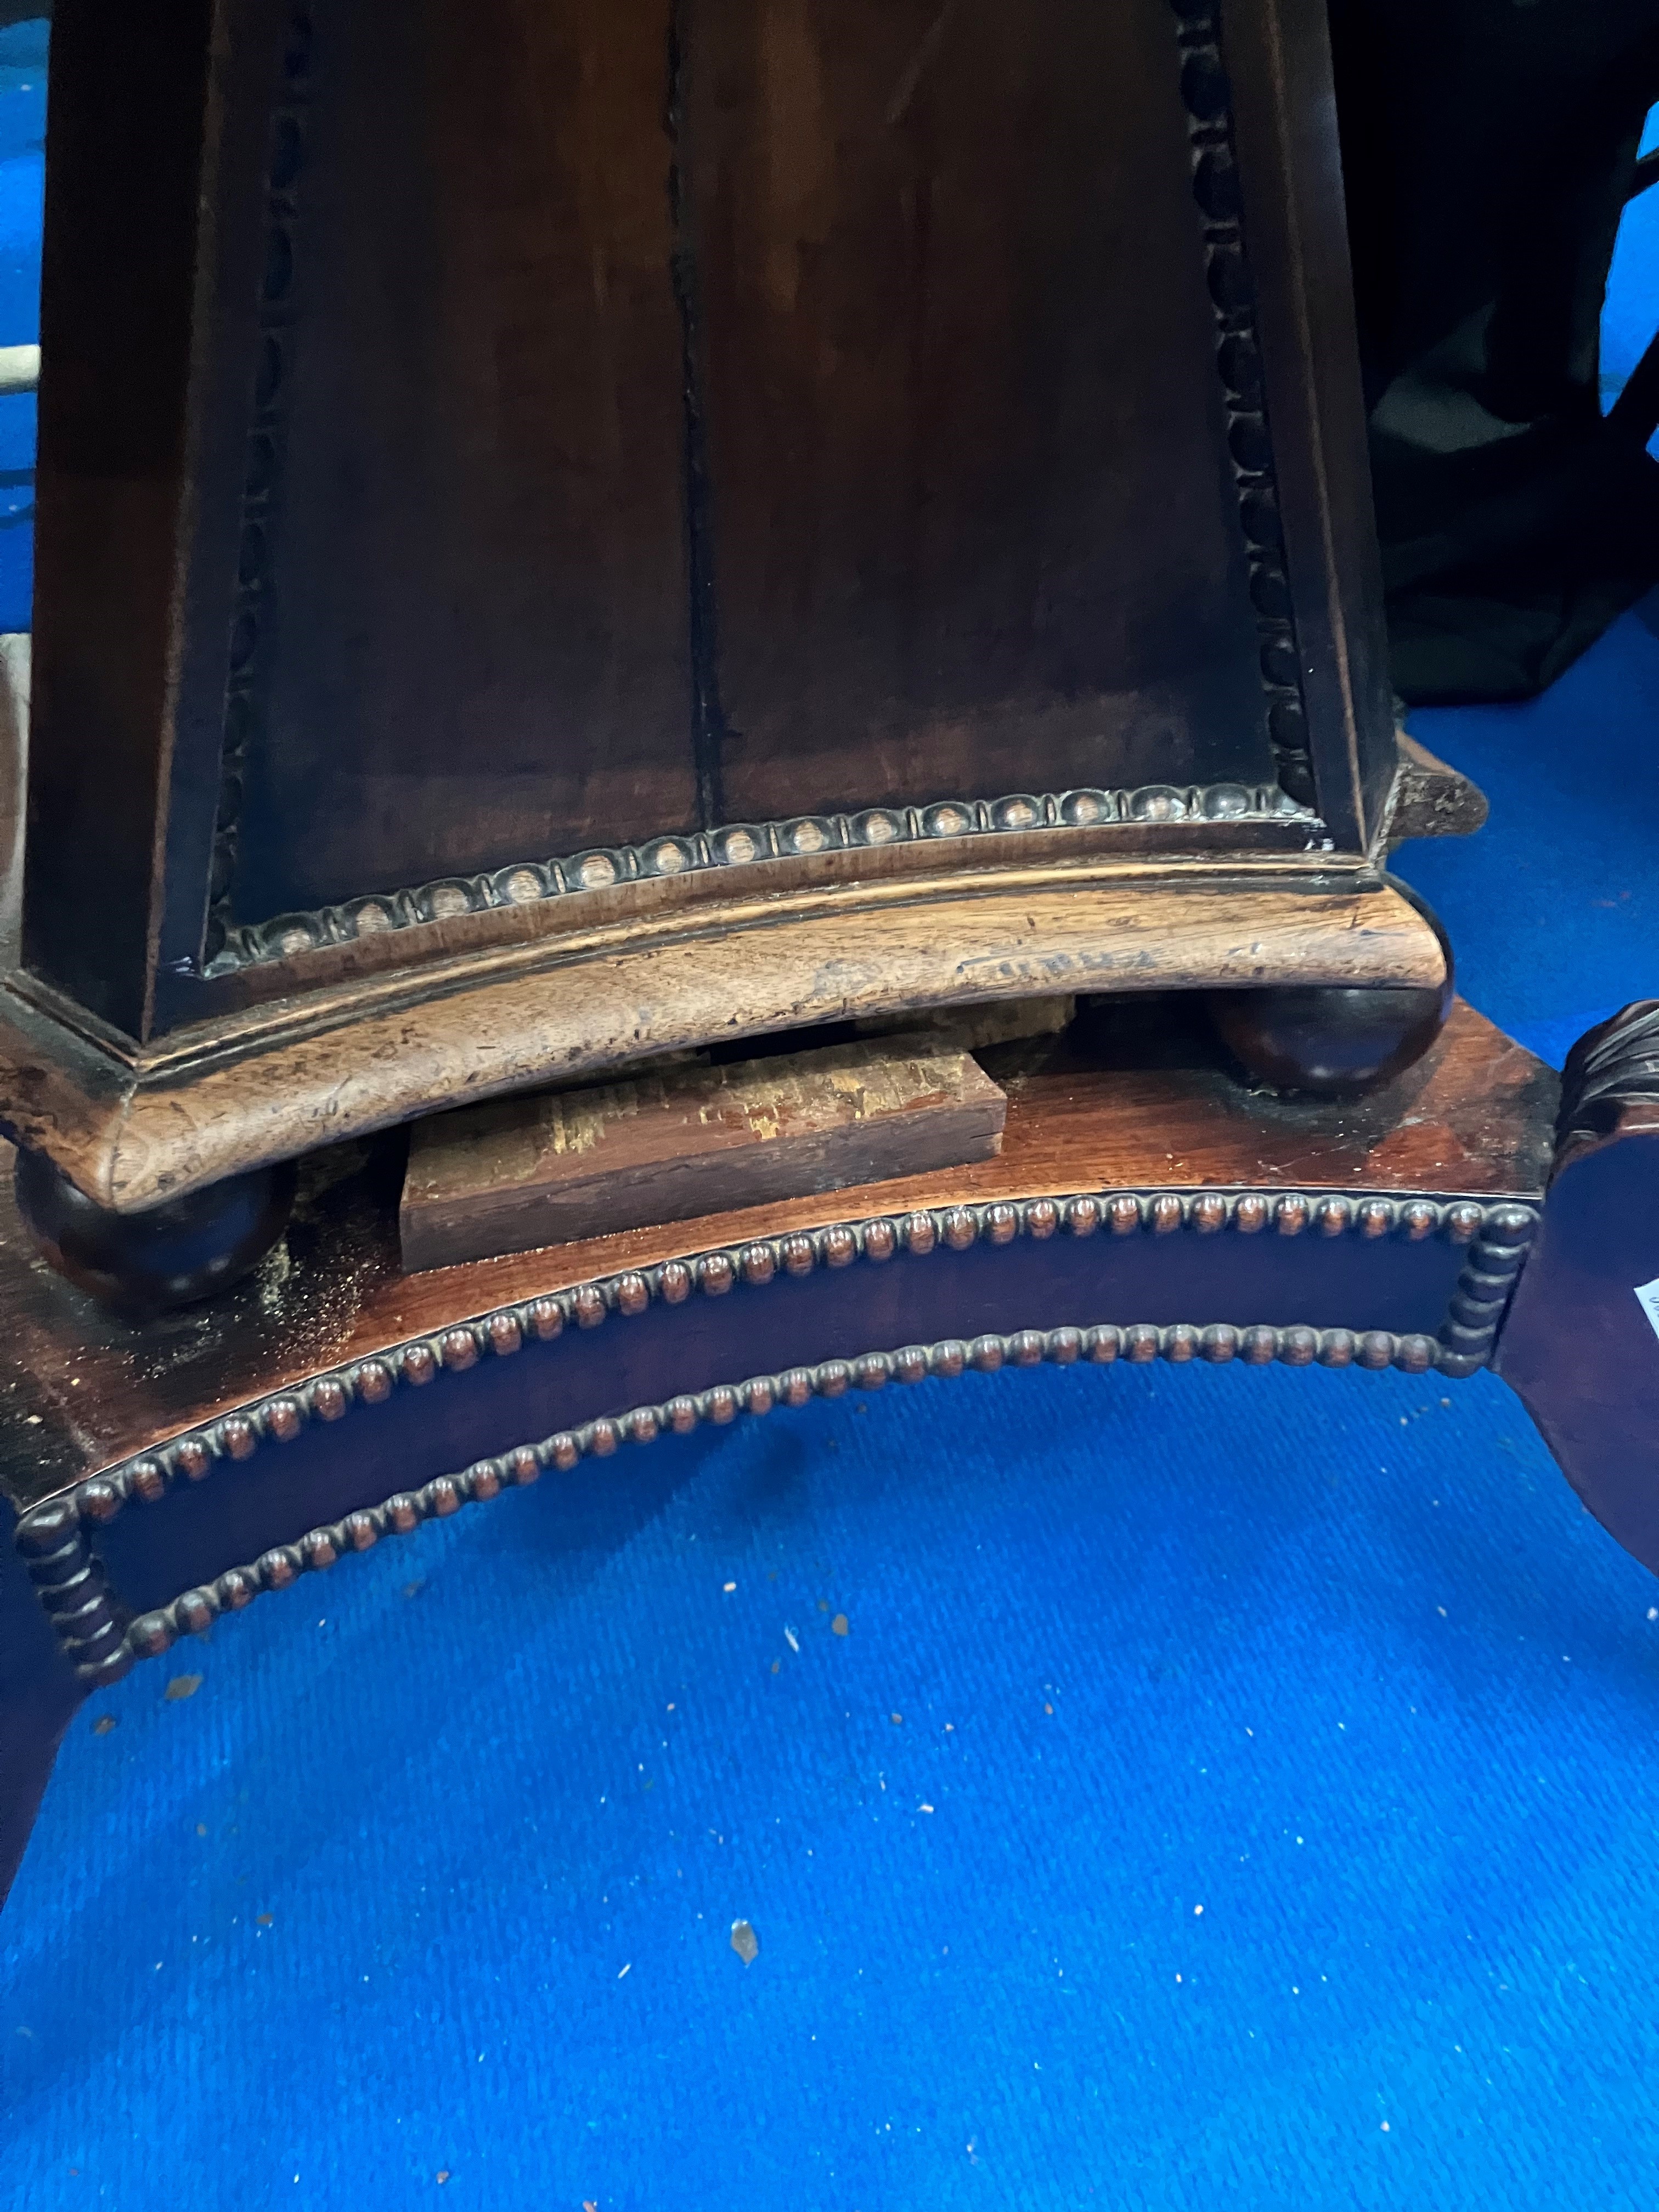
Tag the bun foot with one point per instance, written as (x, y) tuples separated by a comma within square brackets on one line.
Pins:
[(173, 1255), (1331, 1042)]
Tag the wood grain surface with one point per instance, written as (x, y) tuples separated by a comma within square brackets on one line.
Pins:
[(973, 523), (363, 1056), (1143, 1105), (480, 575), (557, 1166)]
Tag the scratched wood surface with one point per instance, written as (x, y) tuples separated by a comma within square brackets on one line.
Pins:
[(478, 1021), (555, 1167), (1144, 1104)]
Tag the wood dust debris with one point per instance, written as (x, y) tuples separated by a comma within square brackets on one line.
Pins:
[(838, 1626), (103, 1724), (182, 1686), (745, 1942)]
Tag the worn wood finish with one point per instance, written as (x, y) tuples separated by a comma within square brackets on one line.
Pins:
[(1336, 1043), (478, 648), (334, 1401), (975, 1029), (560, 1167), (554, 425), (694, 880), (959, 355), (132, 1133), (1472, 1119), (1430, 799)]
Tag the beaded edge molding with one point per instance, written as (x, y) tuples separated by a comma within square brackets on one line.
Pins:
[(1207, 97), (262, 469), (94, 1629), (533, 882)]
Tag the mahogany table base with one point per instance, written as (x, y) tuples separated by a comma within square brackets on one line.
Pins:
[(1145, 1206)]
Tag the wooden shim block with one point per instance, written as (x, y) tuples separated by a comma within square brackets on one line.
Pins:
[(525, 1172)]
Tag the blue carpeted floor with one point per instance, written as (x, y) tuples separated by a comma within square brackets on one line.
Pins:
[(1231, 1787), (22, 179)]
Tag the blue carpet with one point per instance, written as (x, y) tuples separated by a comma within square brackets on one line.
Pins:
[(1231, 1787), (1631, 314), (23, 181)]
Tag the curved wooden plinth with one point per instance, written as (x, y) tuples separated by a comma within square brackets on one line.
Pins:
[(366, 1051), (1144, 1207)]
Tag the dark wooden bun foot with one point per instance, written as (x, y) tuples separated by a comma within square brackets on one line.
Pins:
[(1332, 1044), (140, 1264), (1328, 1044)]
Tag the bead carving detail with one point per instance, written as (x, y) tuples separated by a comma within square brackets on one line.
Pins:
[(71, 1583)]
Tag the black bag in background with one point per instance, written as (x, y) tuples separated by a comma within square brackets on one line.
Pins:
[(1488, 148)]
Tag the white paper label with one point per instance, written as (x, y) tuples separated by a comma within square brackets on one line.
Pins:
[(1647, 1296)]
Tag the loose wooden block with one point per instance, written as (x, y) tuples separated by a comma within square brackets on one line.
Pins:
[(520, 1173)]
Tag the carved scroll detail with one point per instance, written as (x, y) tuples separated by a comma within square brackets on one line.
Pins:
[(1611, 1067)]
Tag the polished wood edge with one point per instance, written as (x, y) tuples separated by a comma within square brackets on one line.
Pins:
[(305, 1074), (38, 1695), (1430, 799)]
